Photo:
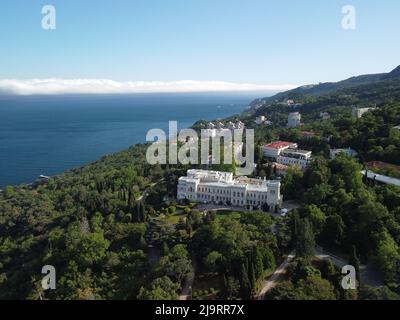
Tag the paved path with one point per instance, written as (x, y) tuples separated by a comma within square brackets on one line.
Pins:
[(368, 273), (187, 287), (337, 261), (275, 277), (216, 207), (144, 193), (369, 276)]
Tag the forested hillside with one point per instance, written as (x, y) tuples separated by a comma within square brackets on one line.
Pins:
[(377, 88), (113, 230)]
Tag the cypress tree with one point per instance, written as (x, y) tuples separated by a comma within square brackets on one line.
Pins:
[(355, 262), (305, 239), (258, 262), (245, 287), (252, 277)]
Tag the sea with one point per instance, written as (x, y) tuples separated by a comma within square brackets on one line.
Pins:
[(47, 135)]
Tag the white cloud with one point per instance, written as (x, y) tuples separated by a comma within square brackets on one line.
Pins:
[(105, 86)]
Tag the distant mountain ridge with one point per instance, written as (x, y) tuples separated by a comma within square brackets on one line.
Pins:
[(327, 87), (393, 74)]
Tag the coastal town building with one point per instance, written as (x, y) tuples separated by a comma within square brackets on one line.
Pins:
[(260, 120), (274, 149), (381, 178), (223, 188), (325, 116), (239, 125), (287, 153), (359, 112), (288, 102), (295, 157), (333, 153), (294, 119), (217, 129)]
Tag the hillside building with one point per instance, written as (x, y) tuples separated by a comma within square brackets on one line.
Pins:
[(333, 153), (359, 112), (223, 188), (294, 120), (287, 153)]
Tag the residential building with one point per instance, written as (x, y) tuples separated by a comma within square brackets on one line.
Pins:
[(335, 152), (295, 157), (223, 188), (294, 119), (289, 102), (381, 178), (273, 149), (287, 153), (359, 112), (219, 129), (210, 125), (260, 120), (325, 116)]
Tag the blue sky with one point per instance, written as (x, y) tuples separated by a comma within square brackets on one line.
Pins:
[(243, 41)]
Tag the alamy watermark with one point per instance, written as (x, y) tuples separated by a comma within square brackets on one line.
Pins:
[(349, 280), (49, 280), (349, 20), (49, 21), (184, 146)]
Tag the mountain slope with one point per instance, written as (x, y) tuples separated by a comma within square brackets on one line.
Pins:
[(327, 88)]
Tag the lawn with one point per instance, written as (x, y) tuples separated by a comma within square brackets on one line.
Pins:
[(221, 214), (175, 217)]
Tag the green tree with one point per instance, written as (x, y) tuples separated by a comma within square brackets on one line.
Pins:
[(355, 262), (160, 289), (305, 239)]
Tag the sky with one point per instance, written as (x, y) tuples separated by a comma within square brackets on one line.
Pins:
[(158, 45)]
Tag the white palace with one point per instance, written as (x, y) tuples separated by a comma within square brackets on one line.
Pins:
[(222, 188)]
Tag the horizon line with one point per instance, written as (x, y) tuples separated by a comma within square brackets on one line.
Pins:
[(60, 86)]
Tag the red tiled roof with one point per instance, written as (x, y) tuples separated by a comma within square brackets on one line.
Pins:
[(279, 144), (380, 164)]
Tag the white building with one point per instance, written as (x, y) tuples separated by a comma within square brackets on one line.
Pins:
[(260, 120), (333, 153), (359, 112), (295, 157), (212, 133), (381, 178), (210, 125), (287, 153), (287, 102), (221, 187), (294, 119), (325, 115), (274, 149)]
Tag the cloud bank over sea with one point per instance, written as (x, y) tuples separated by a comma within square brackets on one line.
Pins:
[(55, 86)]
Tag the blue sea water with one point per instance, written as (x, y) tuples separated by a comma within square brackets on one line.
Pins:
[(51, 134)]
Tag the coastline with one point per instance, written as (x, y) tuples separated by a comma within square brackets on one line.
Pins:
[(110, 135)]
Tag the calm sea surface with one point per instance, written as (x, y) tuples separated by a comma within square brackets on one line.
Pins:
[(48, 135)]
